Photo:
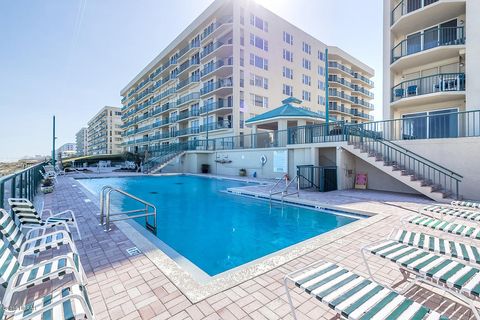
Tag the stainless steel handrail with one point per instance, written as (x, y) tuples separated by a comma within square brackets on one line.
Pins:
[(106, 212), (284, 177), (286, 194)]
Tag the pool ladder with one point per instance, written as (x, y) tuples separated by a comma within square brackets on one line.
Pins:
[(106, 214), (284, 192)]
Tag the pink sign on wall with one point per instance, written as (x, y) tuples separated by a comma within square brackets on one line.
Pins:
[(361, 181)]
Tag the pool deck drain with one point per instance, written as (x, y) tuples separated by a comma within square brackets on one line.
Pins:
[(134, 287)]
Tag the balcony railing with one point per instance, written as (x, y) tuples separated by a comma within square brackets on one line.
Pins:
[(210, 48), (209, 68), (186, 131), (185, 49), (187, 98), (188, 81), (215, 105), (443, 82), (209, 87), (214, 26), (405, 7), (442, 36), (188, 114), (216, 126), (353, 100), (356, 75), (354, 87)]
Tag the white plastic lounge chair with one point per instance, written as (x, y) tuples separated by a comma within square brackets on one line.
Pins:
[(17, 278), (49, 175), (467, 204), (67, 303), (28, 215), (454, 212), (445, 226), (460, 280), (353, 296), (25, 245)]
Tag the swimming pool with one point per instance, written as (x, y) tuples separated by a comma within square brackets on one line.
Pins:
[(216, 230)]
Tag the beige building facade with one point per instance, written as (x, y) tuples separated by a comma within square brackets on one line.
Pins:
[(81, 141), (431, 65), (235, 61), (104, 135)]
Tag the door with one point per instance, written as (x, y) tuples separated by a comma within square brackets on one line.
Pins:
[(448, 33), (414, 126), (443, 124)]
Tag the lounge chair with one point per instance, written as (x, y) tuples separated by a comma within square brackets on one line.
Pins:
[(442, 225), (17, 278), (434, 244), (66, 303), (49, 175), (29, 216), (25, 245), (353, 296), (455, 212), (466, 204)]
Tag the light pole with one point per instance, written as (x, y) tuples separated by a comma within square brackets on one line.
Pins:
[(208, 107), (53, 142), (327, 113)]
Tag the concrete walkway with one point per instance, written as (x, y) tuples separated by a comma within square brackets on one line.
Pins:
[(122, 286)]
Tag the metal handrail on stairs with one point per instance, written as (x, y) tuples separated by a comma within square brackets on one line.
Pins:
[(297, 192), (283, 178), (403, 159), (105, 209)]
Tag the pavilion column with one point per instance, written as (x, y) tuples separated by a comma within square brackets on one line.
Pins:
[(253, 140)]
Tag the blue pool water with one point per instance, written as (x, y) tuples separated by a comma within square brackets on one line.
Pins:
[(215, 230)]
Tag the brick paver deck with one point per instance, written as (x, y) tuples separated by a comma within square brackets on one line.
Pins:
[(132, 287)]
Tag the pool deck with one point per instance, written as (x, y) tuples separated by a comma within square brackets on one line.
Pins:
[(133, 287)]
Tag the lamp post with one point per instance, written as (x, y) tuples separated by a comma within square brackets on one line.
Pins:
[(206, 146), (53, 142), (327, 113)]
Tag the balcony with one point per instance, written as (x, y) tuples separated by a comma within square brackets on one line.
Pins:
[(221, 87), (217, 106), (430, 45), (334, 107), (162, 109), (217, 28), (349, 85), (188, 131), (188, 49), (333, 93), (159, 136), (188, 98), (220, 68), (183, 116), (409, 16), (334, 65), (184, 84), (187, 66), (221, 125), (431, 89), (221, 48)]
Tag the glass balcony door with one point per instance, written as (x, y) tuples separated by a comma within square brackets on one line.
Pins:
[(414, 126), (430, 125)]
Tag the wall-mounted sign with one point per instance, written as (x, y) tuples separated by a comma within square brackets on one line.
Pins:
[(361, 181), (280, 161)]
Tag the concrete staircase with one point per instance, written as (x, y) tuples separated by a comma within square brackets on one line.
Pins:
[(420, 174), (158, 163)]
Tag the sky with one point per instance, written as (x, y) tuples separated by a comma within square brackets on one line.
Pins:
[(71, 58)]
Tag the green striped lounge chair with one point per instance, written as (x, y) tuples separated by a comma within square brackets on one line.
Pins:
[(454, 249), (24, 245), (353, 296), (455, 212), (467, 204), (455, 277), (445, 226), (16, 278), (66, 303), (28, 216)]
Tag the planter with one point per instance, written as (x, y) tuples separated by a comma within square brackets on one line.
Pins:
[(205, 168), (242, 172)]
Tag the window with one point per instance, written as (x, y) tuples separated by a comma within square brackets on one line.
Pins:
[(242, 16), (287, 73), (259, 101), (258, 22), (320, 71), (306, 64), (307, 48), (258, 81), (306, 96), (306, 80), (321, 85), (439, 124), (321, 100), (287, 90), (321, 55), (258, 42), (287, 55), (287, 37), (258, 62)]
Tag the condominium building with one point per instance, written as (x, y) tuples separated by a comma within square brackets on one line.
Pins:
[(82, 142), (67, 150), (235, 61), (104, 133), (431, 66)]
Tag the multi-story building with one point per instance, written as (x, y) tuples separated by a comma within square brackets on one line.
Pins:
[(235, 61), (82, 142), (104, 133), (67, 150), (430, 65)]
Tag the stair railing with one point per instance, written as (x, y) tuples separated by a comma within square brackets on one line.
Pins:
[(403, 159)]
